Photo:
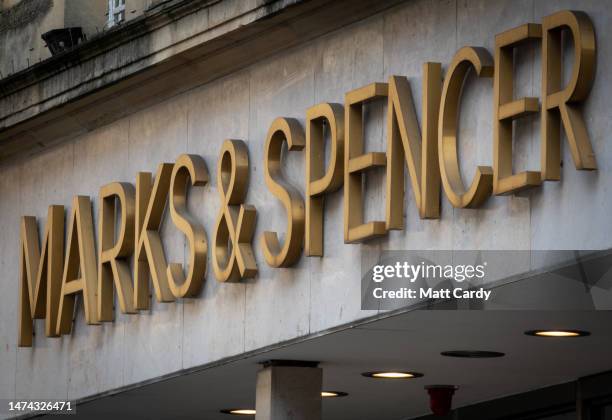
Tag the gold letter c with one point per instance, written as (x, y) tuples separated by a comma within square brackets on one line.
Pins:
[(482, 183)]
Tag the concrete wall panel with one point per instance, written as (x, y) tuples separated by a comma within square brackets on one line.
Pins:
[(477, 23), (97, 352), (408, 44), (341, 68), (153, 344), (277, 301), (574, 210), (45, 179), (10, 209), (216, 112)]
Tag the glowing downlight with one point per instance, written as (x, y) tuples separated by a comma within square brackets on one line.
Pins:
[(239, 411), (558, 333), (333, 394), (392, 375)]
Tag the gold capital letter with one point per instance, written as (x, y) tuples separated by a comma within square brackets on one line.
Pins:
[(80, 274), (421, 156), (283, 130), (188, 167), (562, 104), (41, 276), (329, 117), (507, 109), (356, 163), (234, 228), (482, 183), (113, 266), (149, 257)]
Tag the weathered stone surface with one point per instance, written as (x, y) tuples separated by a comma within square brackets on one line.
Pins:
[(175, 46)]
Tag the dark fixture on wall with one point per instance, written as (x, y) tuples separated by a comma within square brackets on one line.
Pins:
[(472, 354), (59, 40), (440, 398)]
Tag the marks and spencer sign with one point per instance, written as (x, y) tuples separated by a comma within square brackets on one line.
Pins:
[(54, 272)]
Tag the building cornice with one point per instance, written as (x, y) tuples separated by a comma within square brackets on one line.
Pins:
[(98, 44), (173, 47)]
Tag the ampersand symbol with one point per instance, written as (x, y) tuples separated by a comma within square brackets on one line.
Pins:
[(232, 255)]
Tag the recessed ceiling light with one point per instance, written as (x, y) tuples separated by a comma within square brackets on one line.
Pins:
[(239, 411), (558, 333), (472, 354), (333, 394), (392, 375)]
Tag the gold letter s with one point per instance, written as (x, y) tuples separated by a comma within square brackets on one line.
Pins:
[(281, 130), (187, 167)]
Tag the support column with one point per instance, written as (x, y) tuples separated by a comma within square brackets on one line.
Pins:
[(289, 390)]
